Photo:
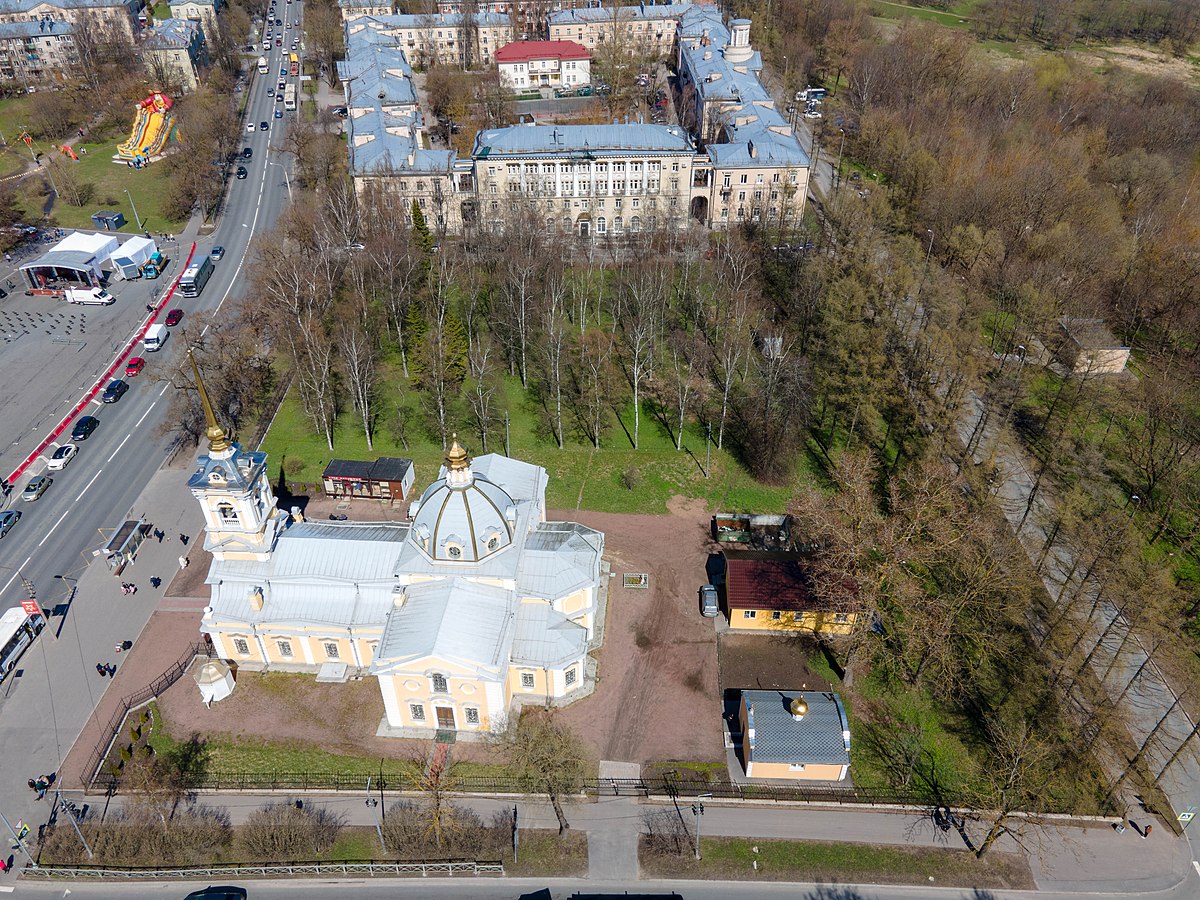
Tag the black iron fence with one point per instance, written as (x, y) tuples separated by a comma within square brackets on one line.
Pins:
[(351, 868), (91, 772)]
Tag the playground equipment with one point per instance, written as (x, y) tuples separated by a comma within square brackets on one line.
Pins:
[(152, 126), (67, 151)]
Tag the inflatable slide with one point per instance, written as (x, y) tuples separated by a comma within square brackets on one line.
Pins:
[(151, 128)]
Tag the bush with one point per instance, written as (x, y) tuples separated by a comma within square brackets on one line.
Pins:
[(663, 834), (631, 478), (126, 754), (294, 465), (408, 831), (141, 837), (284, 831)]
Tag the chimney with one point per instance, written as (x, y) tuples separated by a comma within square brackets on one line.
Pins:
[(255, 598), (510, 516)]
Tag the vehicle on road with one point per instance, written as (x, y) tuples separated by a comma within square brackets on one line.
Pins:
[(710, 606), (36, 487), (289, 98), (90, 297), (249, 126), (61, 457), (174, 317), (8, 519), (115, 391), (217, 252), (262, 65), (84, 427), (156, 336), (134, 367), (279, 113), (241, 173), (219, 893), (262, 126), (247, 152), (195, 277), (17, 631)]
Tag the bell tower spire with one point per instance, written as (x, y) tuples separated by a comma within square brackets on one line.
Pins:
[(219, 445)]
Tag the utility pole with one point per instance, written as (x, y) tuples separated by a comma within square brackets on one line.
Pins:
[(20, 843), (135, 212), (707, 447), (507, 448), (698, 811), (62, 805)]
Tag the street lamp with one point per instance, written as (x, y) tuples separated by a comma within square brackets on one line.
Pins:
[(66, 606), (286, 177), (698, 811), (135, 212), (838, 174), (372, 804)]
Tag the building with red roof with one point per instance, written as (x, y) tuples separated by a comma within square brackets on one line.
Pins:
[(772, 591), (533, 64)]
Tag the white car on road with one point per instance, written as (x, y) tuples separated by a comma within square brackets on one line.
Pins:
[(61, 457)]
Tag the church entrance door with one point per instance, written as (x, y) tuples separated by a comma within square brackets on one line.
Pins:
[(445, 717)]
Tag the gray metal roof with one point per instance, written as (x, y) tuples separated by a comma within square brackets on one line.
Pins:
[(452, 619), (641, 13), (559, 558), (79, 260), (599, 140), (237, 472), (821, 737), (545, 637), (326, 552)]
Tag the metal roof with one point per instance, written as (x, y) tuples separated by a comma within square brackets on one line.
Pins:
[(524, 51), (545, 637), (642, 12), (452, 619), (821, 737), (560, 558), (10, 7), (46, 28), (64, 259), (599, 140), (762, 579)]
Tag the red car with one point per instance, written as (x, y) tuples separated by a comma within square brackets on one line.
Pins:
[(174, 317), (134, 366)]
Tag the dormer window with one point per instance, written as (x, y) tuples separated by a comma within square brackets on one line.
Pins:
[(215, 477), (454, 551), (227, 514), (493, 544)]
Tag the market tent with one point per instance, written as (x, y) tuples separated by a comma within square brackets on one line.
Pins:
[(215, 680), (133, 254), (102, 245), (75, 259)]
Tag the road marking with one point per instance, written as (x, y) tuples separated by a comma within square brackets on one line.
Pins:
[(15, 574), (88, 485), (119, 446), (52, 527), (146, 413), (164, 390)]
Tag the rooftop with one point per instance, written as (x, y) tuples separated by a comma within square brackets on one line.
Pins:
[(1090, 334), (822, 736), (41, 28), (760, 579), (598, 140), (523, 51), (642, 12)]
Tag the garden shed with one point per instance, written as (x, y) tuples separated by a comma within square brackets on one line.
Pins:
[(386, 478)]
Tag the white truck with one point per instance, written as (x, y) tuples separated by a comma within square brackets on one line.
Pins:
[(156, 336), (90, 296)]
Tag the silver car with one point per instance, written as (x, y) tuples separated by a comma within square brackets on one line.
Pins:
[(710, 606), (36, 487), (8, 519)]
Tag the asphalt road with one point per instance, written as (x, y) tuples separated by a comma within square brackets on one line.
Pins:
[(47, 699)]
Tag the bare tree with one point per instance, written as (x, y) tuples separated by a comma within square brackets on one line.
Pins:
[(546, 757), (356, 336)]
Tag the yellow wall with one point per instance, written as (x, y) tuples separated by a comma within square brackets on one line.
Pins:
[(416, 688), (514, 681), (822, 623), (812, 772), (573, 603)]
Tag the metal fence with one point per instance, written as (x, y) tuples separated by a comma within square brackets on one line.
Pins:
[(353, 868), (91, 772)]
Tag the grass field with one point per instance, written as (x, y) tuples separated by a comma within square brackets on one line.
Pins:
[(817, 861), (580, 477), (147, 186), (889, 10)]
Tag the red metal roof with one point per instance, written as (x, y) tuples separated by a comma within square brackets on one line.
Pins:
[(757, 579), (523, 51)]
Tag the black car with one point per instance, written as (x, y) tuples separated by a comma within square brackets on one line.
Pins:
[(115, 391), (262, 126), (218, 893), (247, 152), (241, 172), (84, 427)]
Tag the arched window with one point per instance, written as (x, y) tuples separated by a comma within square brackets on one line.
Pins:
[(618, 224), (601, 225), (438, 683), (635, 224), (227, 514)]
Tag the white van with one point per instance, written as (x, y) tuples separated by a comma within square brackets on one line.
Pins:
[(90, 296), (156, 336)]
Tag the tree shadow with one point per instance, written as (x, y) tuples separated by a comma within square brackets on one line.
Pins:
[(286, 500)]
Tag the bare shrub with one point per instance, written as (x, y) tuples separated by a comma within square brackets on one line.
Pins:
[(139, 836), (665, 834), (410, 831), (284, 831)]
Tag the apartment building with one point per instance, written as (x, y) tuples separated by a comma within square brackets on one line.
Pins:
[(532, 64), (357, 9), (385, 132), (116, 17), (441, 39), (756, 169), (204, 11), (591, 180), (33, 53), (173, 52), (531, 18), (643, 31)]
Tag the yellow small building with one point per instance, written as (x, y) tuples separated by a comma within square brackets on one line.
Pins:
[(773, 591), (794, 735)]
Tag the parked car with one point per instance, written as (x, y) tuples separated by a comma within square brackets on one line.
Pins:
[(84, 427), (174, 317), (61, 457), (217, 252), (710, 606), (36, 487), (8, 519), (115, 391), (134, 367)]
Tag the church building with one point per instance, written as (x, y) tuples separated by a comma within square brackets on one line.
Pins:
[(474, 607)]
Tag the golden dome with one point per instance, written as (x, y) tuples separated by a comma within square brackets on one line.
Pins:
[(456, 457)]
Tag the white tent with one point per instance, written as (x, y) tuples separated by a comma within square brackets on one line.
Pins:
[(102, 246), (132, 255), (215, 680)]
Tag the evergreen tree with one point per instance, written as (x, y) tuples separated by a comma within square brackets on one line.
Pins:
[(421, 229)]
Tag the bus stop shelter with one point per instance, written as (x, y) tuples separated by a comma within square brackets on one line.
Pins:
[(123, 546)]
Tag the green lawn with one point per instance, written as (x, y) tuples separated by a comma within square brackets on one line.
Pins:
[(580, 477), (147, 186), (889, 10), (817, 861)]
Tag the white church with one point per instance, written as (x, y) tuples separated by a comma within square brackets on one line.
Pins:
[(475, 606)]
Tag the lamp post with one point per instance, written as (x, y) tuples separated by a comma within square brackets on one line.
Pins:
[(837, 185), (924, 273), (373, 804), (698, 811), (286, 177), (135, 212), (70, 599)]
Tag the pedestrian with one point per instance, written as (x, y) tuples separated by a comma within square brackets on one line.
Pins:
[(100, 669), (155, 582), (183, 562), (112, 670), (32, 785), (3, 866), (42, 787), (1146, 833), (183, 539)]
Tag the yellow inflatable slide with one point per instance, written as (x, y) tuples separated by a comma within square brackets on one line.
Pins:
[(151, 127)]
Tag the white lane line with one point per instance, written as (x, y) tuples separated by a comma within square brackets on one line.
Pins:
[(15, 574), (52, 527), (119, 446), (146, 413), (164, 390), (88, 485)]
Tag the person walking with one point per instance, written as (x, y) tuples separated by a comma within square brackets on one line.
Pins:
[(101, 669), (183, 539), (1146, 833)]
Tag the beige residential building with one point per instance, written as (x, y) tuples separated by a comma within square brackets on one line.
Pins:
[(431, 39), (33, 53), (640, 30), (173, 51), (111, 20), (357, 9), (204, 11)]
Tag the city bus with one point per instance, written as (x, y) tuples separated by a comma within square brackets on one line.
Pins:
[(294, 65), (196, 277), (289, 98), (17, 631)]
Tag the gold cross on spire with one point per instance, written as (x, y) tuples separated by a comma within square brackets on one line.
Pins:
[(218, 441)]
